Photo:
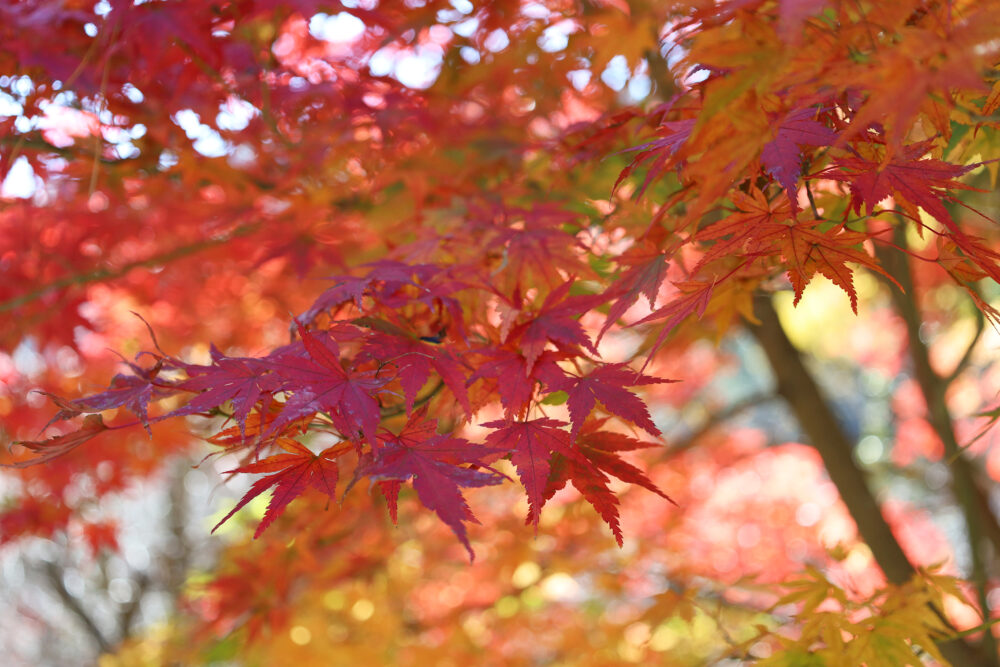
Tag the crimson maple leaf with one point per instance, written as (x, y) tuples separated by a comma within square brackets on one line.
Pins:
[(319, 383), (244, 381), (531, 445), (346, 289), (514, 381), (599, 450), (660, 152), (605, 383), (413, 360), (781, 156), (692, 300), (130, 391), (538, 250), (753, 228), (647, 270), (435, 464), (556, 321), (913, 182), (290, 473)]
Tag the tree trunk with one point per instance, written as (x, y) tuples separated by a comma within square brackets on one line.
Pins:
[(797, 386)]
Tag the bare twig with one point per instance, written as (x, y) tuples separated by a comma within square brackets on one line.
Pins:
[(715, 419), (55, 580), (963, 363)]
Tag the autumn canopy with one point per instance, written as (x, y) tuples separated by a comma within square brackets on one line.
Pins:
[(670, 327)]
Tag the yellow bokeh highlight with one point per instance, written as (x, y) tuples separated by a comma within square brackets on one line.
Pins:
[(526, 574), (300, 635), (363, 610)]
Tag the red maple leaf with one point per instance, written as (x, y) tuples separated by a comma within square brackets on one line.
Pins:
[(435, 463), (537, 249), (290, 473), (671, 135), (319, 383), (647, 270), (414, 360), (130, 391), (346, 289), (599, 451), (913, 182), (531, 445), (244, 381), (514, 381), (556, 322), (752, 230), (781, 156), (692, 300), (605, 383)]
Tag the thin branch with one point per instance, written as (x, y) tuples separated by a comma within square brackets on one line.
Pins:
[(397, 410), (100, 275), (963, 363), (812, 201), (54, 576), (129, 612), (717, 418)]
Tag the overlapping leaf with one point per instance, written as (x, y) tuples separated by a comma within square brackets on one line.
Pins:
[(321, 384), (436, 464), (531, 445), (93, 425), (781, 156), (243, 381), (605, 383), (556, 321), (600, 451), (289, 474), (414, 360)]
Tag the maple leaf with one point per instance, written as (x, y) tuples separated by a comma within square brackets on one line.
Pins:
[(693, 300), (319, 383), (531, 445), (539, 249), (555, 322), (762, 228), (130, 391), (781, 156), (602, 447), (599, 451), (808, 250), (414, 360), (605, 383), (661, 151), (58, 445), (515, 382), (290, 473), (753, 229), (347, 289), (647, 270), (434, 463), (916, 181), (913, 182), (244, 381)]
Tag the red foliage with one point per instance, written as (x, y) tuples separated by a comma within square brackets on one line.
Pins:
[(474, 244)]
